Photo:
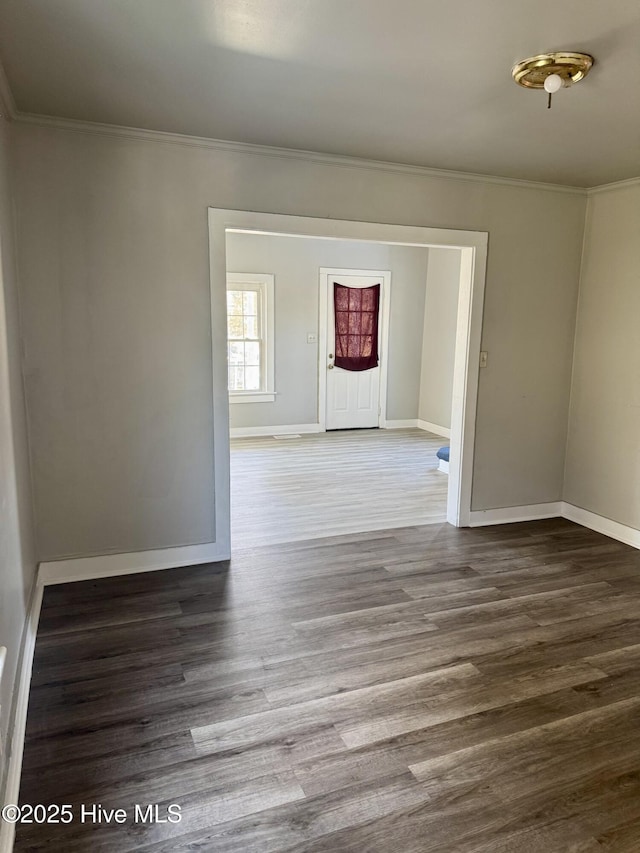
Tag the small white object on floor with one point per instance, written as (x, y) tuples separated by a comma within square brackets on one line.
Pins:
[(287, 435), (443, 466)]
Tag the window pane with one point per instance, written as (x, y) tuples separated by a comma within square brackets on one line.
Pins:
[(353, 346), (251, 327), (236, 327), (252, 379), (252, 354), (368, 299), (246, 346), (234, 302), (250, 302), (236, 353), (236, 378)]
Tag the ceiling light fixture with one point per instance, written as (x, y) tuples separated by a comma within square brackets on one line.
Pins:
[(552, 71)]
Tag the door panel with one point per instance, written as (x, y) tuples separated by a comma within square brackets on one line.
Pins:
[(340, 393), (366, 398), (353, 397)]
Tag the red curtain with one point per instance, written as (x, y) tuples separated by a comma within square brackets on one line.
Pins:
[(356, 320)]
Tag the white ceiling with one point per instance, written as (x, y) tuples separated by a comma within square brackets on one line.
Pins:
[(424, 82)]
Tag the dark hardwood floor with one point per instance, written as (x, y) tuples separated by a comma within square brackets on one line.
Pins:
[(406, 691)]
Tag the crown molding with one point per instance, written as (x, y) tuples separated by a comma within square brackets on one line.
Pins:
[(7, 104), (141, 134), (616, 185)]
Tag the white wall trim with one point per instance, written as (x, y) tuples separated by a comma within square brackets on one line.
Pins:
[(241, 397), (473, 266), (558, 509), (15, 738), (144, 135), (606, 526), (280, 429), (445, 432), (510, 514), (464, 397), (615, 185), (417, 423), (263, 284), (410, 423), (110, 565), (220, 405)]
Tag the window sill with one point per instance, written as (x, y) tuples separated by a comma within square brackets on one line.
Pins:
[(251, 397)]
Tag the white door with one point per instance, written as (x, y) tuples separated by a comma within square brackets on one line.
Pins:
[(352, 397)]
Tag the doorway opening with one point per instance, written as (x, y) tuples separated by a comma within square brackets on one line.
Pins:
[(340, 402)]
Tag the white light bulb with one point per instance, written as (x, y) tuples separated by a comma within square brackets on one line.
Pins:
[(553, 83)]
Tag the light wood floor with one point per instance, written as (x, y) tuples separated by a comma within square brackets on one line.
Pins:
[(326, 484), (420, 690)]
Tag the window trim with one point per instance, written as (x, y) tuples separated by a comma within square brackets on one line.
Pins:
[(264, 283)]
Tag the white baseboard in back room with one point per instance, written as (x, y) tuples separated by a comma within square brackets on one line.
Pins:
[(445, 432), (275, 431), (411, 423), (417, 423)]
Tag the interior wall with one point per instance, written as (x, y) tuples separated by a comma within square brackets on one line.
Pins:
[(603, 451), (439, 336), (113, 253), (295, 263), (17, 558)]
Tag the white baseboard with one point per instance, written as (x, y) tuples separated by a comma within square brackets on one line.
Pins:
[(15, 739), (558, 509), (405, 424), (511, 514), (110, 565), (435, 428), (621, 532), (289, 429), (286, 429), (417, 423)]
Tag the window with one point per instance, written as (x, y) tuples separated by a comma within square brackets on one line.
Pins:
[(250, 337)]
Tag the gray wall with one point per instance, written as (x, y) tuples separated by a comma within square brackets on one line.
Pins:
[(113, 250), (295, 263), (17, 559), (603, 453), (439, 336)]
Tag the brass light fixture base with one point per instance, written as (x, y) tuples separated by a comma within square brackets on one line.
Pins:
[(571, 67)]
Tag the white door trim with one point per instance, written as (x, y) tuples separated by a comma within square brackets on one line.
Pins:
[(470, 306), (466, 369), (323, 331)]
